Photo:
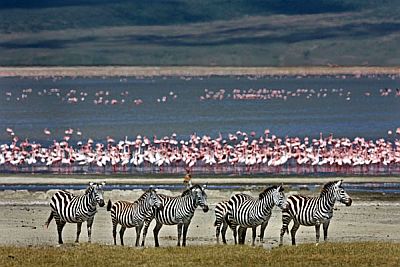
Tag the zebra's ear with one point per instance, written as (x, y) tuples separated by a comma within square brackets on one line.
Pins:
[(339, 183), (91, 183), (280, 188), (103, 183), (205, 186), (153, 188)]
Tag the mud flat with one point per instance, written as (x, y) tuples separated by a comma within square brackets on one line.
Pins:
[(109, 71), (23, 213)]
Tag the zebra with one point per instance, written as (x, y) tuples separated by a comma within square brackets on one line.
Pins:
[(66, 207), (309, 211), (179, 210), (220, 210), (249, 212), (136, 214)]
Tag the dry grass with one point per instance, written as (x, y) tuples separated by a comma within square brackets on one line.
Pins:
[(331, 254)]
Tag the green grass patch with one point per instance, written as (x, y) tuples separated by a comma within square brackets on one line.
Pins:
[(330, 254)]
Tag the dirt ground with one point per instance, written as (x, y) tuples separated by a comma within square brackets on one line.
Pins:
[(191, 71), (23, 213)]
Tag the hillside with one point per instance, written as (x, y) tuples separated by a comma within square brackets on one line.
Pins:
[(203, 33)]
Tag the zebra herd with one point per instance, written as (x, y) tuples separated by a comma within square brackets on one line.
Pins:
[(240, 212)]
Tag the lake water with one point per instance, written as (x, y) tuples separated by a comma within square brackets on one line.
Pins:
[(347, 106)]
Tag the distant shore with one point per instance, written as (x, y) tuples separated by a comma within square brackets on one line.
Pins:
[(111, 71)]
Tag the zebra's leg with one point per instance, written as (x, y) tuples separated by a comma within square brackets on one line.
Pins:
[(217, 231), (180, 225), (146, 227), (156, 230), (138, 231), (262, 231), (253, 243), (121, 234), (89, 229), (78, 231), (286, 218), (317, 233), (234, 230), (185, 229), (242, 235), (60, 226), (325, 226), (293, 232), (114, 232), (223, 232)]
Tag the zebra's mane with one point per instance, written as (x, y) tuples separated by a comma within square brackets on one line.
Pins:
[(327, 187), (266, 191), (89, 189), (144, 195), (187, 191)]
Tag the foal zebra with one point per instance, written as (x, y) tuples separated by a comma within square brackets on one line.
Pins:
[(66, 207), (248, 212), (179, 211), (136, 214), (311, 211)]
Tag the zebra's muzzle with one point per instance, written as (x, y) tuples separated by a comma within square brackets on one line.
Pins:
[(205, 208), (101, 203), (348, 203)]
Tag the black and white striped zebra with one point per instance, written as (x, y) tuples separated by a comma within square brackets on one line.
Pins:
[(179, 210), (137, 214), (66, 207), (313, 211), (248, 212), (220, 210)]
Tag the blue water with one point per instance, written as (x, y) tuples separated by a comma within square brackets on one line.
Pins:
[(370, 117)]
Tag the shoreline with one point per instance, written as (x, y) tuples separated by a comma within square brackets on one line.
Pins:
[(154, 71)]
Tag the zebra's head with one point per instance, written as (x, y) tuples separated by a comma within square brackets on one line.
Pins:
[(97, 191), (341, 194), (338, 192), (199, 195), (277, 194), (153, 199)]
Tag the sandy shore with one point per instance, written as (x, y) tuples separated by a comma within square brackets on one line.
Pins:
[(108, 71), (23, 213)]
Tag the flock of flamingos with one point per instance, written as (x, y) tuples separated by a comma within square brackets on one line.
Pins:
[(238, 152)]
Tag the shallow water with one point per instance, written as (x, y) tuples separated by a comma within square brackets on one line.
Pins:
[(351, 114)]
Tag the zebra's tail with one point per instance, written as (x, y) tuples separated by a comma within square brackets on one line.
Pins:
[(226, 218), (51, 216), (109, 205), (215, 222)]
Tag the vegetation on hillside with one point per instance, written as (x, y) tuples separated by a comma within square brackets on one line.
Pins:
[(205, 33)]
